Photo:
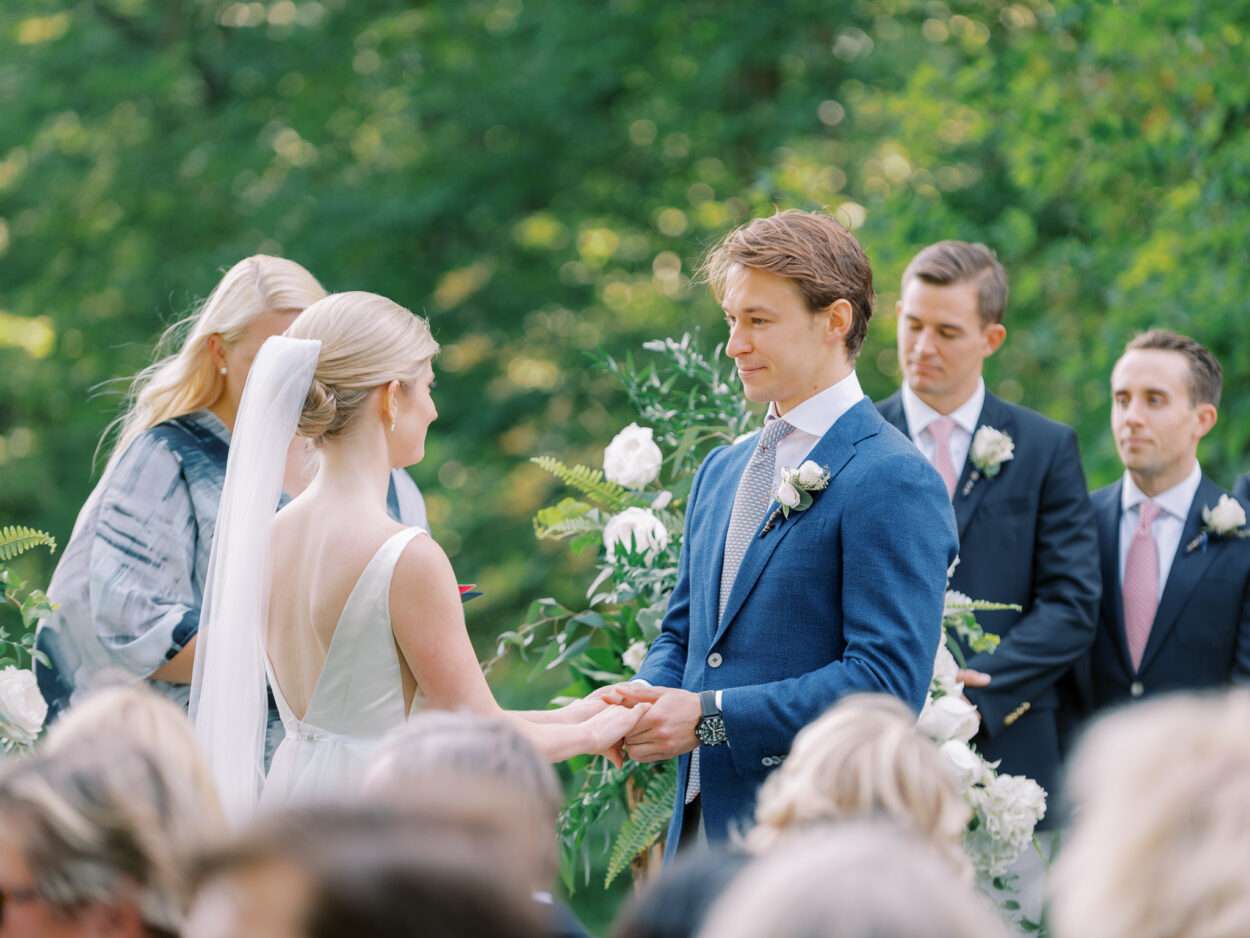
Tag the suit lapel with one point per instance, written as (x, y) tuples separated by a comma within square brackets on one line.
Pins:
[(1107, 514), (834, 451), (1188, 568), (972, 484)]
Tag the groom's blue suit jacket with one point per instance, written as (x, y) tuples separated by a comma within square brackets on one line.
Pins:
[(844, 597)]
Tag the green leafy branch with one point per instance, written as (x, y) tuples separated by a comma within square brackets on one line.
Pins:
[(32, 605), (605, 495), (646, 822)]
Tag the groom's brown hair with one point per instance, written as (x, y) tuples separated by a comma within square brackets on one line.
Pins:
[(823, 259)]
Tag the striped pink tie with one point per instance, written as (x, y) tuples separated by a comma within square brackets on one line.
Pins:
[(1141, 583), (940, 432)]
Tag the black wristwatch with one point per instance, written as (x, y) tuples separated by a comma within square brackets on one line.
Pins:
[(710, 730)]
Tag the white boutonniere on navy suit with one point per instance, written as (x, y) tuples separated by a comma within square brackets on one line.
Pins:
[(1226, 519), (990, 449)]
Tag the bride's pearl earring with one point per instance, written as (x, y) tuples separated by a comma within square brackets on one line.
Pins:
[(221, 370), (393, 421)]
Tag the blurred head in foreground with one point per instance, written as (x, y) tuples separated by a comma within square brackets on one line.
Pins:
[(154, 723), (677, 902), (864, 758), (438, 748), (381, 871), (86, 845), (863, 879), (1159, 846)]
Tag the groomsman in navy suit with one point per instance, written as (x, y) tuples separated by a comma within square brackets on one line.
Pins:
[(1026, 529), (1175, 609), (778, 614)]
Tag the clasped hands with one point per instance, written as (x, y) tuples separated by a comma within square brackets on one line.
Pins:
[(652, 723)]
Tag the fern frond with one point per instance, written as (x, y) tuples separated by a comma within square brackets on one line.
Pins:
[(15, 540), (590, 482), (647, 822), (568, 518)]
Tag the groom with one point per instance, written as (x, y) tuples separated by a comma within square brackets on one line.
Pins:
[(778, 615)]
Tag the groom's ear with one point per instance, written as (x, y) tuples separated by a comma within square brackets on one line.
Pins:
[(839, 316)]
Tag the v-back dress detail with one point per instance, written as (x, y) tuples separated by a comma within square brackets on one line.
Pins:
[(357, 699)]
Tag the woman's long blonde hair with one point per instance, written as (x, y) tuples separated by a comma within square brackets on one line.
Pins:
[(863, 758), (183, 379)]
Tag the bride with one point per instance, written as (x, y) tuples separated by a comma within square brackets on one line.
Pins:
[(352, 618)]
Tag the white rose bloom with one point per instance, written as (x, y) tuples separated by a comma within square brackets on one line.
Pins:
[(638, 525), (787, 495), (22, 707), (966, 767), (946, 672), (1227, 515), (949, 718), (955, 602), (810, 474), (634, 656), (632, 459), (991, 447)]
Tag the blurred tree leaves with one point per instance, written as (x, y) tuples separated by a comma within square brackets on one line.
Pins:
[(540, 178)]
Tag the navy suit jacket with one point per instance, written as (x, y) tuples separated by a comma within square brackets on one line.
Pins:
[(1201, 634), (1026, 537), (843, 597)]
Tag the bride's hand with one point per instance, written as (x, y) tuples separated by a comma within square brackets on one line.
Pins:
[(608, 728)]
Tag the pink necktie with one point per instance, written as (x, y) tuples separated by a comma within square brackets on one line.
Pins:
[(1141, 583), (940, 432)]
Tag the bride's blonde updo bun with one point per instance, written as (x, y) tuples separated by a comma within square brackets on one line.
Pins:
[(366, 341)]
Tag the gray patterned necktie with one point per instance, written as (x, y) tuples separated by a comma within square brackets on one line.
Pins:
[(755, 494)]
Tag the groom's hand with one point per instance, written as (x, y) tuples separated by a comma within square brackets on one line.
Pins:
[(666, 730)]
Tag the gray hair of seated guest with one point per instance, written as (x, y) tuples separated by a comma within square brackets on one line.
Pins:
[(439, 742), (92, 825), (861, 879)]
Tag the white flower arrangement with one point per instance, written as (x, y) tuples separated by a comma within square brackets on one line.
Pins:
[(632, 459), (990, 449), (1226, 519), (22, 707), (637, 529), (634, 656)]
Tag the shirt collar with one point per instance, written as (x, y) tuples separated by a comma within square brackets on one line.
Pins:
[(919, 414), (821, 411), (1175, 501), (207, 420)]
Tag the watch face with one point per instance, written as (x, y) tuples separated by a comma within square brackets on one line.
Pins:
[(710, 731)]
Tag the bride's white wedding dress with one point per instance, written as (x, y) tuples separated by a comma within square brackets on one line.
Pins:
[(357, 698)]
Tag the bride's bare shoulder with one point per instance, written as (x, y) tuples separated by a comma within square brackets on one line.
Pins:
[(423, 571)]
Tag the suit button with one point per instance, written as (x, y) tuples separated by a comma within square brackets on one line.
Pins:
[(714, 660), (1136, 689)]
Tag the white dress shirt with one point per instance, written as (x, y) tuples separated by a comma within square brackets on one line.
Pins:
[(812, 419), (1169, 524), (920, 415)]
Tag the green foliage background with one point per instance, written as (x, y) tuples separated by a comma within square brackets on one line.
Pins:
[(540, 178)]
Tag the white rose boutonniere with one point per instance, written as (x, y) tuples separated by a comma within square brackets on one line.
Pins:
[(990, 449), (1226, 519), (795, 491), (22, 707), (632, 459)]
